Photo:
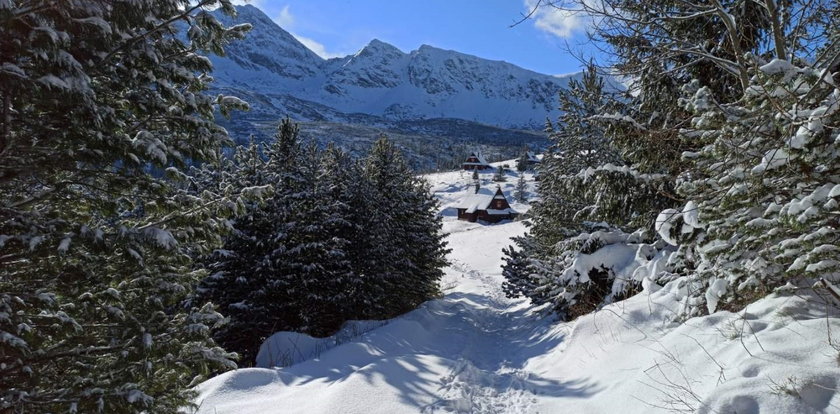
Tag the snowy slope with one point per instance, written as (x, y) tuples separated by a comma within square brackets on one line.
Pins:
[(475, 351), (277, 72), (270, 57)]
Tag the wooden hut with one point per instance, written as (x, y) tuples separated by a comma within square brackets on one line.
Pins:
[(485, 205), (476, 161)]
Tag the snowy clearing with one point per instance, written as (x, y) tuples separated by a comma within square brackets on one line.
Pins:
[(475, 351)]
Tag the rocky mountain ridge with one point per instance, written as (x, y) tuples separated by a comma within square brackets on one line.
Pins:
[(380, 81)]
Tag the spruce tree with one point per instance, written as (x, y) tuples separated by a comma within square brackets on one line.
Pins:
[(721, 91), (318, 246), (521, 189), (765, 188), (520, 278), (233, 269), (580, 144), (368, 250), (586, 191), (580, 141), (499, 176), (341, 211), (476, 181), (522, 162), (285, 266), (411, 251), (96, 252)]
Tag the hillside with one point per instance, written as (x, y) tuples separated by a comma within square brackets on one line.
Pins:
[(474, 350), (429, 145)]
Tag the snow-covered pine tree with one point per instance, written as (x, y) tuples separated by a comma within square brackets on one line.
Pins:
[(411, 250), (583, 187), (233, 268), (521, 279), (335, 240), (522, 161), (284, 267), (736, 110), (274, 303), (476, 181), (578, 143), (95, 252), (766, 185), (499, 176), (521, 189), (320, 243), (342, 210), (369, 248)]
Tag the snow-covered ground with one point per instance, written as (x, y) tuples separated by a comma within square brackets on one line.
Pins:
[(475, 351)]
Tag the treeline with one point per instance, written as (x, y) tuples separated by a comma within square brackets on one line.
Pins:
[(113, 250), (719, 164), (334, 239)]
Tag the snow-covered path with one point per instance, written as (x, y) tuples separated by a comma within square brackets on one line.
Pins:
[(495, 334), (462, 353)]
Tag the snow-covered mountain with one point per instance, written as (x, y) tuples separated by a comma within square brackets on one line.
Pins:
[(278, 74)]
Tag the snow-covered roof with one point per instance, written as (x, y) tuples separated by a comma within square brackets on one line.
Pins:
[(478, 155), (478, 201), (532, 157), (482, 200)]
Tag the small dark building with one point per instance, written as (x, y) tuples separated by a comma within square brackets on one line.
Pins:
[(485, 205), (476, 161), (532, 158)]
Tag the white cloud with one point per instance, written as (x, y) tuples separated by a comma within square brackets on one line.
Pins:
[(558, 22), (287, 21), (316, 47)]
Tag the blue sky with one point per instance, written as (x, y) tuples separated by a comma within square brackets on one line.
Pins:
[(477, 27)]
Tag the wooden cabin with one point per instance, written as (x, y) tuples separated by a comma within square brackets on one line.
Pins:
[(476, 161), (532, 158), (485, 205)]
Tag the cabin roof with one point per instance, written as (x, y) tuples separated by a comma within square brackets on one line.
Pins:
[(482, 200), (479, 156)]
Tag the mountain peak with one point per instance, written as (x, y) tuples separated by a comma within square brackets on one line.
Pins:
[(248, 13), (379, 43), (267, 48), (377, 46), (248, 9), (429, 48)]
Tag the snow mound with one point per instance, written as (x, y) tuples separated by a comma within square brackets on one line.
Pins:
[(774, 356), (288, 348)]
